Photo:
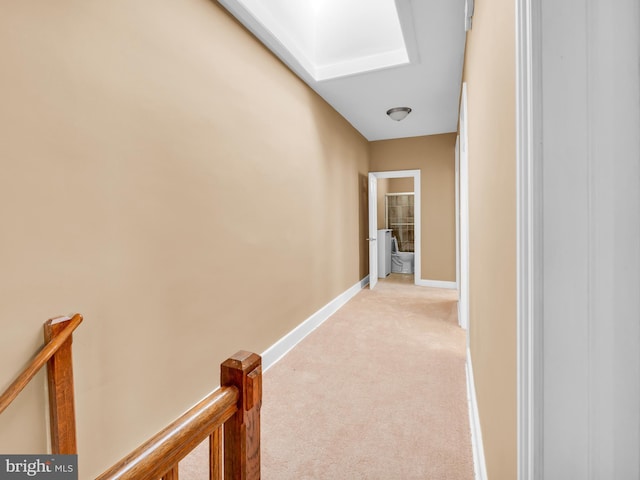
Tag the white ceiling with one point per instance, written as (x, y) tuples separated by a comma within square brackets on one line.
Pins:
[(367, 56)]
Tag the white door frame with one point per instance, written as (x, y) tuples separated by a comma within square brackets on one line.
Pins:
[(457, 193), (373, 221), (373, 230), (463, 209), (529, 254), (587, 364)]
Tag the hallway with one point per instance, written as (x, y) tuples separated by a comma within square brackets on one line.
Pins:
[(377, 392)]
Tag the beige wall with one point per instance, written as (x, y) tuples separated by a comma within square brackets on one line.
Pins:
[(390, 185), (400, 185), (435, 157), (383, 189), (490, 77), (167, 177)]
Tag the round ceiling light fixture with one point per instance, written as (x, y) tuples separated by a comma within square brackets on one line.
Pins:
[(398, 113)]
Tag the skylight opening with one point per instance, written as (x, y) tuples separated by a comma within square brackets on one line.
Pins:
[(335, 38)]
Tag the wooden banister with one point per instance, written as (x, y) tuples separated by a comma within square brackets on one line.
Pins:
[(160, 453), (229, 417), (59, 336), (56, 353), (62, 414), (236, 405), (242, 431)]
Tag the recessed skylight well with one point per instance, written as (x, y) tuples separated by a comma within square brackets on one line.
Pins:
[(333, 38)]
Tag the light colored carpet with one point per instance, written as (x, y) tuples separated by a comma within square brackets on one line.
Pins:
[(376, 392)]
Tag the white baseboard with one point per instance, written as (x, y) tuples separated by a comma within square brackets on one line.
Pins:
[(477, 446), (279, 349), (437, 284)]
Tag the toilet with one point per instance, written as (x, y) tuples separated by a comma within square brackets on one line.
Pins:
[(401, 262)]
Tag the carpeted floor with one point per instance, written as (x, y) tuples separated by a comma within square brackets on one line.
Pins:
[(376, 392)]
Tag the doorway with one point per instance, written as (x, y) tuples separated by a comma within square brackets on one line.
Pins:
[(375, 218)]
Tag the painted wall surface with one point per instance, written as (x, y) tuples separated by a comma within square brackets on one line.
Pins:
[(383, 189), (434, 155), (390, 185), (589, 97), (167, 177), (490, 76), (400, 185)]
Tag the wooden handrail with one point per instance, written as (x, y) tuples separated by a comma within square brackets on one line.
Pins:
[(40, 359), (236, 405), (158, 455)]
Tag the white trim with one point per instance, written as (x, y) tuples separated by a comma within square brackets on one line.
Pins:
[(275, 352), (437, 284), (529, 255), (468, 15), (397, 173), (479, 464), (457, 189), (268, 28), (279, 349), (463, 208), (372, 207)]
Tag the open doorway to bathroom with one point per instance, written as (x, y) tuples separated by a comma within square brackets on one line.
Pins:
[(399, 221), (394, 225)]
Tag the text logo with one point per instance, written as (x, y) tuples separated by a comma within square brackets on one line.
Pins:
[(49, 467)]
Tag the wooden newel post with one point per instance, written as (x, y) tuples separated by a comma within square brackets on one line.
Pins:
[(60, 380), (242, 431)]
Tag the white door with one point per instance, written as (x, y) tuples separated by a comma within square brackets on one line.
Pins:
[(373, 230)]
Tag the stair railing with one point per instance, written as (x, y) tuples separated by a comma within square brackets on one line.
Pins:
[(229, 417), (56, 354)]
